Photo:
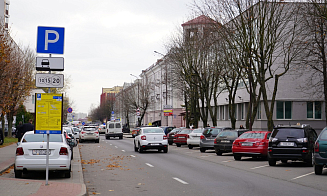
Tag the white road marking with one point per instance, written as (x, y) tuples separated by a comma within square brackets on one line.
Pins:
[(207, 156), (227, 161), (116, 146), (179, 180), (123, 150), (302, 176), (133, 156), (148, 164), (259, 167), (110, 144)]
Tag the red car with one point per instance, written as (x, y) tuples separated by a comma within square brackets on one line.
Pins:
[(181, 137), (251, 144)]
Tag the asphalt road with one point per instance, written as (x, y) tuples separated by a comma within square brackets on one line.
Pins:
[(111, 167)]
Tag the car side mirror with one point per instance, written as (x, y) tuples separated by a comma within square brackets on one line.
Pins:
[(72, 137)]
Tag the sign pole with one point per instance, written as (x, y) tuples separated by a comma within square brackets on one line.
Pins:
[(48, 138)]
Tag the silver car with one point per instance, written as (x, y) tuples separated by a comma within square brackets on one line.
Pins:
[(89, 133)]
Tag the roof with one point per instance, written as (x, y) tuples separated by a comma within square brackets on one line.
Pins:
[(200, 20)]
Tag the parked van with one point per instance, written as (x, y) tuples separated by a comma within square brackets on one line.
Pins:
[(114, 129)]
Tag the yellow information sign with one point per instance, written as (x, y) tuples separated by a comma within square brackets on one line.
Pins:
[(48, 113)]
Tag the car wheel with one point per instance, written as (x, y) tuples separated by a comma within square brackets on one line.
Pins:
[(97, 141), (71, 158), (178, 145), (165, 150), (190, 146), (107, 137), (170, 143), (218, 152), (135, 148), (18, 174), (80, 141), (284, 161), (202, 149), (237, 157), (67, 174), (318, 169), (140, 149), (272, 162), (120, 137)]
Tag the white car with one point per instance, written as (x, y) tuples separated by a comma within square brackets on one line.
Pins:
[(151, 138), (31, 154), (89, 133), (193, 138), (102, 129), (76, 132)]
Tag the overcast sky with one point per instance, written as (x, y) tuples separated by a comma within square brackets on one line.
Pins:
[(105, 40)]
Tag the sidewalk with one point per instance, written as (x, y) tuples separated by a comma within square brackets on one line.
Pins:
[(24, 187)]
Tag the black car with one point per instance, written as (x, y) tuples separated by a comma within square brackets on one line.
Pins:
[(208, 136), (171, 135), (320, 154), (1, 137), (224, 140), (292, 142), (167, 129)]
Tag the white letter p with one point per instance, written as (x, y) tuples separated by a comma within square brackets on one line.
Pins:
[(46, 41)]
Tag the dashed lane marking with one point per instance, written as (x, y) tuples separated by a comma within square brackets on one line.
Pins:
[(179, 180), (133, 156), (148, 164), (259, 167), (123, 150), (302, 176)]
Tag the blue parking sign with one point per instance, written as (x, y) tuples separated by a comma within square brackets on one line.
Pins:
[(50, 40)]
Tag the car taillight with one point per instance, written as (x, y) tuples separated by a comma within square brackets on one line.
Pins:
[(188, 136), (215, 141), (164, 137), (260, 143), (82, 132), (175, 136), (96, 132), (63, 151), (236, 143), (201, 137), (19, 151), (316, 147), (143, 137)]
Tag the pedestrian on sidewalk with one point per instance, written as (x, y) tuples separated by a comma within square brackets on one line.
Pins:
[(27, 127), (19, 130)]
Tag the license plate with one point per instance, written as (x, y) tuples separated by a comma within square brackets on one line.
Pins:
[(40, 152), (154, 144), (287, 144), (181, 137), (90, 133), (247, 144), (225, 141)]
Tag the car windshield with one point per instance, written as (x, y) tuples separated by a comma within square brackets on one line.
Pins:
[(288, 133), (68, 130), (228, 134), (42, 138), (211, 131), (197, 131), (185, 131), (153, 131), (118, 125), (252, 135), (174, 130)]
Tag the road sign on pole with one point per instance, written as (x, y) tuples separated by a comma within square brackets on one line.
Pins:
[(69, 110), (50, 40), (49, 64), (49, 80)]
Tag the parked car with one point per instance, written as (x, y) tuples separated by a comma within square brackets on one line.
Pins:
[(167, 129), (114, 129), (89, 133), (71, 134), (208, 136), (151, 138), (171, 134), (135, 131), (31, 154), (102, 129), (126, 129), (193, 139), (71, 144), (180, 138), (224, 141), (320, 152), (77, 131), (251, 144), (1, 138), (292, 142)]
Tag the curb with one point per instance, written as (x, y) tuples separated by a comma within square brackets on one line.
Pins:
[(6, 167)]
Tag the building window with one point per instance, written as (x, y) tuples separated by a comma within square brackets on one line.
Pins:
[(33, 99), (242, 111), (259, 112), (314, 109), (284, 110), (222, 112)]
